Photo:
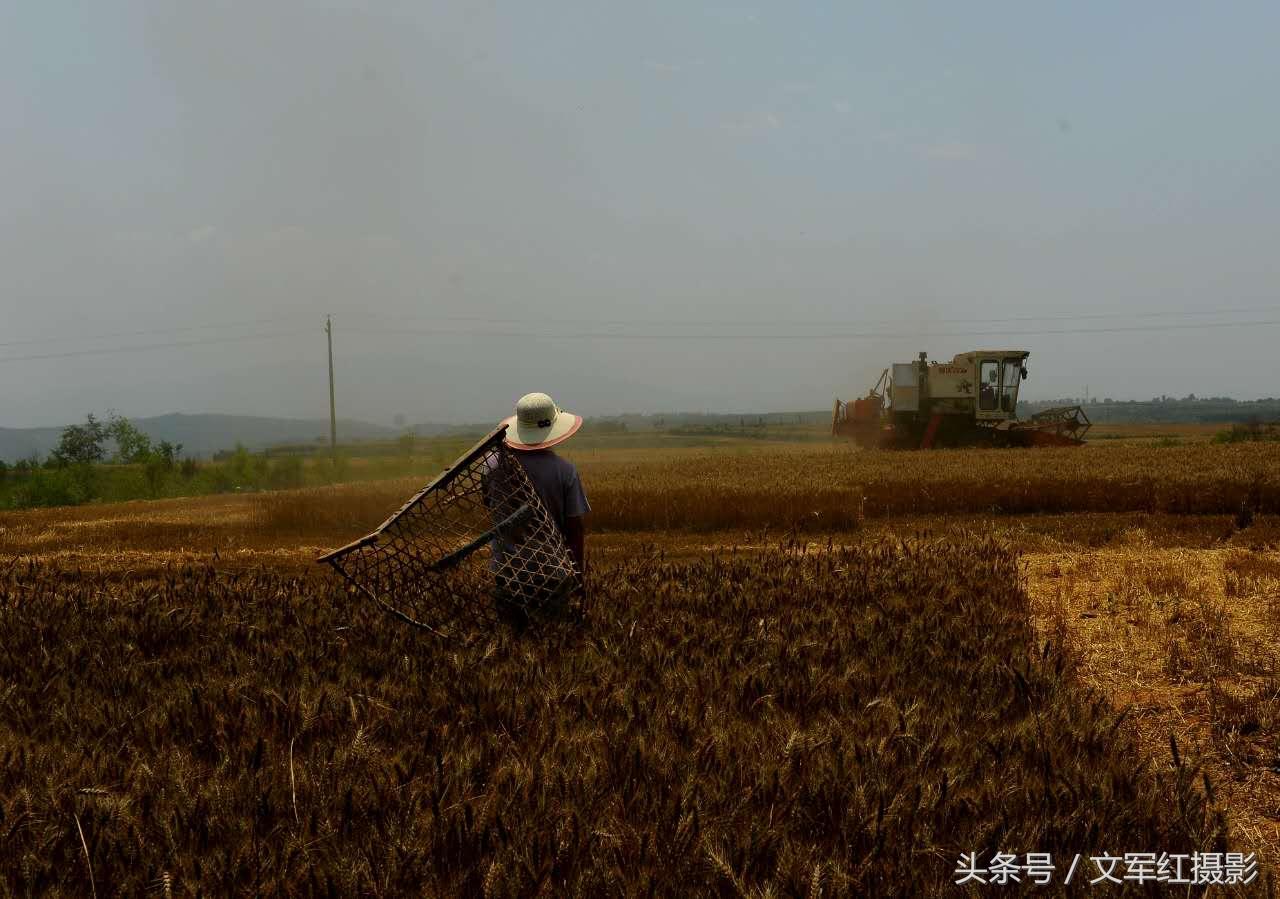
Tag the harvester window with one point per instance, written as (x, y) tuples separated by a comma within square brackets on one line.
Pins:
[(988, 385), (1009, 386)]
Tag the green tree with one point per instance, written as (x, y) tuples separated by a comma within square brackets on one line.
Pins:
[(239, 465), (160, 462), (132, 445), (82, 444), (168, 453)]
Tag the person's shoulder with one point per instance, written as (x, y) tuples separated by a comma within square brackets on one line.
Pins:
[(564, 465)]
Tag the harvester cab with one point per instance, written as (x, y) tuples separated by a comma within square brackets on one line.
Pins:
[(970, 401), (1000, 373)]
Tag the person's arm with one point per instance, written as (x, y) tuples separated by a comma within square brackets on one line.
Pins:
[(575, 532)]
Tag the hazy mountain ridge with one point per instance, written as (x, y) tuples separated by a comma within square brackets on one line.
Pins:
[(202, 435)]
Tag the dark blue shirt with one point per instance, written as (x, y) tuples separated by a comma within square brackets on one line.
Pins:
[(556, 480)]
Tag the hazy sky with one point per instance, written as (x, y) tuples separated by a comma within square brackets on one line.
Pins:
[(503, 197)]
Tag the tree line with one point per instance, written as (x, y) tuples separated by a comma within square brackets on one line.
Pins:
[(71, 474)]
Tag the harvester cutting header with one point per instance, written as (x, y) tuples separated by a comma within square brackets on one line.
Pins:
[(970, 401)]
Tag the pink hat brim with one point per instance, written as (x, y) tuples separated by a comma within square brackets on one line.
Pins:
[(510, 422)]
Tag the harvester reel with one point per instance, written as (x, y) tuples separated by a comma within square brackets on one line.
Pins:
[(1060, 426), (474, 545)]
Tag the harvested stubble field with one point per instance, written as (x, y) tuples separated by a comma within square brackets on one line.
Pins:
[(181, 685), (1185, 639)]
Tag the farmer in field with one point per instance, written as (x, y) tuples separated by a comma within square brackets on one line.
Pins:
[(538, 425), (524, 579)]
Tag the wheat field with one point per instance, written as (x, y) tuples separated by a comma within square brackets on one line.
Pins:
[(802, 670)]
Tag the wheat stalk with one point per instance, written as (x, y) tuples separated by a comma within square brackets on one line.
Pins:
[(88, 861), (293, 786)]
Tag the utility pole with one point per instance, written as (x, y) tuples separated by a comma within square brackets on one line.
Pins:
[(333, 417)]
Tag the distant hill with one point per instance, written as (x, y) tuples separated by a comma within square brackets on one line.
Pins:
[(203, 435)]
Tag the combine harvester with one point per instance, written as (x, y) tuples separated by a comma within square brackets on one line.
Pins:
[(969, 401)]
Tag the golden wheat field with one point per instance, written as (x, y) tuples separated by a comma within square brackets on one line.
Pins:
[(802, 670)]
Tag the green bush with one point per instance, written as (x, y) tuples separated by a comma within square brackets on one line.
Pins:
[(156, 471), (216, 479), (1248, 432), (66, 486), (285, 472), (332, 469)]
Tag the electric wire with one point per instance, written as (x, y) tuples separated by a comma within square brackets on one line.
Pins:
[(146, 347), (988, 333), (86, 337), (672, 322), (1163, 313), (817, 335)]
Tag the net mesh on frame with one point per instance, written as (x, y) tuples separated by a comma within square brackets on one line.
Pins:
[(475, 544)]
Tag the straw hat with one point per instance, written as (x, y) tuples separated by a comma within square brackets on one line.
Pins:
[(539, 423)]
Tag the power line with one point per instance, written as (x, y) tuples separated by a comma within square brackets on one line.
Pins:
[(1165, 313), (622, 322), (146, 347), (77, 339), (613, 335), (820, 335)]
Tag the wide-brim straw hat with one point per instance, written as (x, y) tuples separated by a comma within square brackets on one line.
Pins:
[(539, 423)]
